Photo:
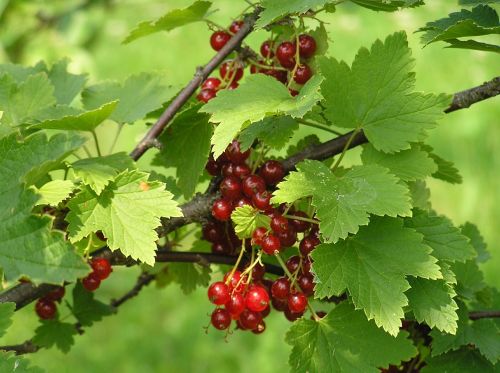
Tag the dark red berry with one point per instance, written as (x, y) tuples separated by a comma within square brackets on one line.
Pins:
[(293, 92), (266, 312), (218, 248), (293, 263), (306, 265), (235, 26), (221, 319), (279, 75), (297, 302), (243, 201), (102, 267), (222, 209), (250, 319), (233, 85), (279, 223), (300, 225), (100, 235), (259, 329), (258, 272), (206, 95), (308, 244), (306, 283), (230, 188), (307, 46), (266, 49), (286, 54), (228, 169), (257, 298), (280, 304), (291, 316), (271, 244), (56, 295), (91, 282), (236, 305), (234, 154), (45, 309), (231, 70), (212, 232), (257, 235), (272, 172), (287, 238), (211, 83), (253, 184), (218, 293), (302, 74), (219, 39), (262, 200), (213, 167), (241, 170), (281, 288)]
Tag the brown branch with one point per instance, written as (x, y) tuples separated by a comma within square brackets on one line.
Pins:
[(143, 280), (465, 99), (476, 315), (200, 75)]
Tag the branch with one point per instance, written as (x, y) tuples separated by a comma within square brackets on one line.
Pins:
[(200, 75), (465, 99), (476, 315), (143, 280)]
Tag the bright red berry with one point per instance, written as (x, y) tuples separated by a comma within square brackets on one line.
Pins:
[(45, 309), (91, 282), (236, 305), (235, 155), (262, 200), (101, 267), (266, 49), (272, 172), (230, 188), (235, 26), (308, 244), (231, 70), (279, 223), (302, 74), (233, 85), (257, 298), (307, 46), (253, 184), (271, 244), (222, 209), (218, 293), (235, 280), (219, 39), (250, 319), (281, 288), (297, 302), (211, 83), (306, 283), (286, 54), (257, 235), (206, 95), (56, 295), (220, 319)]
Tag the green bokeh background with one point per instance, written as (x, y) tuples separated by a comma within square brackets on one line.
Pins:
[(162, 330)]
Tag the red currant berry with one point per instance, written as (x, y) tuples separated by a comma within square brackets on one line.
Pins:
[(302, 74), (306, 265), (236, 305), (272, 172), (306, 283), (266, 312), (308, 244), (271, 244), (280, 288), (228, 169), (241, 170), (288, 238), (257, 298), (286, 54), (258, 272), (45, 309), (230, 188), (300, 225), (212, 232), (280, 304), (213, 167), (220, 319), (234, 154), (279, 75), (206, 95), (259, 329), (257, 235), (235, 26), (293, 92), (218, 293), (243, 201), (222, 209), (56, 295), (235, 280), (211, 83), (253, 184), (307, 46), (219, 39), (218, 248), (250, 319), (230, 70), (262, 200), (233, 85), (291, 316), (102, 267), (266, 49), (279, 223), (293, 263), (91, 282), (297, 302)]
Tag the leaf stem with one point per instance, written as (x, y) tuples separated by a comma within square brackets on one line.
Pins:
[(318, 125), (118, 132), (301, 218), (346, 147), (98, 148)]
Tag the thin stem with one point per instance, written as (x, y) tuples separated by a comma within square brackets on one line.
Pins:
[(115, 140), (98, 148), (238, 261), (297, 59), (267, 67), (346, 147), (301, 218), (87, 151), (318, 125)]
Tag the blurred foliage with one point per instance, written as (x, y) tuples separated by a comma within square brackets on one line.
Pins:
[(162, 330)]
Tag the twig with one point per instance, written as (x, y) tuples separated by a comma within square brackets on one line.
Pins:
[(476, 315), (465, 99)]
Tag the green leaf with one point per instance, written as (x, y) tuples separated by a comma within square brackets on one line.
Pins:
[(420, 195), (276, 9), (54, 192), (85, 308), (472, 44), (344, 203), (376, 95), (196, 12), (432, 302), (127, 212), (446, 170), (461, 361), (470, 279), (372, 266), (476, 240), (137, 96), (11, 363), (189, 275), (274, 132), (408, 165), (99, 171), (344, 341), (246, 219), (190, 130), (66, 85), (86, 121), (477, 2), (302, 144), (388, 5), (447, 242), (481, 20), (55, 332), (259, 96), (6, 312)]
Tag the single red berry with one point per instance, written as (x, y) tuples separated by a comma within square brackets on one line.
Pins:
[(56, 295), (219, 39), (235, 26), (297, 302), (213, 167), (287, 238), (306, 265), (230, 188), (307, 46), (286, 54), (266, 311), (271, 244), (266, 49), (222, 209), (259, 329), (302, 74), (253, 184), (300, 225), (45, 309), (102, 267), (258, 272), (279, 75), (234, 281), (280, 288), (218, 293), (91, 282), (212, 232), (228, 169), (233, 85), (293, 92), (236, 305), (279, 223), (221, 319), (257, 235), (293, 263), (231, 70), (279, 304), (292, 316), (250, 319), (211, 83), (272, 172), (306, 283), (243, 201), (241, 170), (262, 200), (206, 95), (308, 244), (234, 154), (257, 298)]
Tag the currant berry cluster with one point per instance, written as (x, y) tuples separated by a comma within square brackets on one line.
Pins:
[(101, 269), (46, 307), (285, 61)]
